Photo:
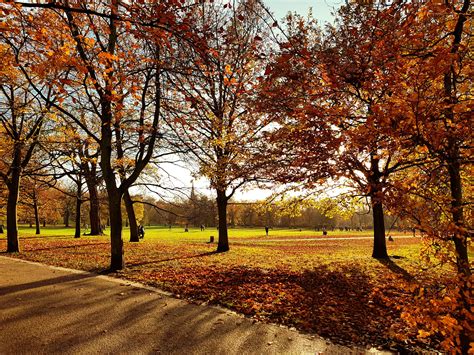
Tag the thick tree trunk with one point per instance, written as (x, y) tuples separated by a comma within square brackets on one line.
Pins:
[(132, 221), (94, 211), (223, 244), (35, 208), (380, 248), (13, 245), (116, 242)]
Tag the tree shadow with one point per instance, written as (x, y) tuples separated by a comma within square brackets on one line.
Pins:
[(332, 303), (44, 237), (132, 264), (42, 283), (392, 266)]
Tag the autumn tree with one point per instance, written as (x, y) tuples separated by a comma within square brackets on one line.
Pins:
[(431, 108), (22, 115), (328, 91), (209, 112), (75, 155), (100, 57)]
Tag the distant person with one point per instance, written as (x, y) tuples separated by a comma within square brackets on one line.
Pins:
[(266, 230), (141, 232), (325, 232), (202, 227), (186, 229)]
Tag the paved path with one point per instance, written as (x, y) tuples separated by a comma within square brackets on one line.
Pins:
[(48, 310)]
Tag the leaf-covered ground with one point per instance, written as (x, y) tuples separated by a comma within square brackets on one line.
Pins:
[(330, 287)]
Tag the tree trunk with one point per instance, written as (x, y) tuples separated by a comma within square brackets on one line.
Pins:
[(35, 208), (66, 216), (223, 244), (116, 242), (460, 239), (132, 221), (380, 247), (94, 211), (461, 233), (77, 232), (13, 245)]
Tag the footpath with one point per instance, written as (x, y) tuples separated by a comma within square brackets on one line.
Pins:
[(50, 310)]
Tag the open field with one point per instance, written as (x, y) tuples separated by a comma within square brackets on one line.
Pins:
[(329, 287), (195, 234)]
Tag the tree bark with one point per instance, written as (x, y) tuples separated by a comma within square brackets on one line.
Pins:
[(116, 242), (223, 244), (77, 231), (13, 245), (94, 210), (132, 221), (461, 233), (380, 248), (460, 239), (35, 208), (66, 217)]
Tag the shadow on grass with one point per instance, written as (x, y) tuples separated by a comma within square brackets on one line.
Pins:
[(392, 266), (56, 247), (332, 303), (45, 237), (131, 264)]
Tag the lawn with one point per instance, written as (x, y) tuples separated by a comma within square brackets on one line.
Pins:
[(329, 286), (177, 233)]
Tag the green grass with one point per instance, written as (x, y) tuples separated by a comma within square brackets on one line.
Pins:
[(177, 233)]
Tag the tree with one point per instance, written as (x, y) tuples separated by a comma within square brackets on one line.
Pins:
[(22, 116), (100, 59), (210, 114), (327, 93), (432, 103)]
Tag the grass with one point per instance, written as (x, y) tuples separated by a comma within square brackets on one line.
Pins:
[(195, 234), (329, 287)]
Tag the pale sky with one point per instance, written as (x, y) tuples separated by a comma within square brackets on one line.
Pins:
[(321, 8)]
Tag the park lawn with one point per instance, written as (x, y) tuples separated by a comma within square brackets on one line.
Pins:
[(329, 287)]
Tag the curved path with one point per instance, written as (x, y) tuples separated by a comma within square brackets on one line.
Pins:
[(50, 310)]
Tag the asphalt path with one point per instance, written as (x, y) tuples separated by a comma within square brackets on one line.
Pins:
[(50, 310)]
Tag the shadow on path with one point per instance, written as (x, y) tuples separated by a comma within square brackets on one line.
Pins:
[(42, 283)]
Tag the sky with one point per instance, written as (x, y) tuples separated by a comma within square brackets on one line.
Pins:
[(321, 8)]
